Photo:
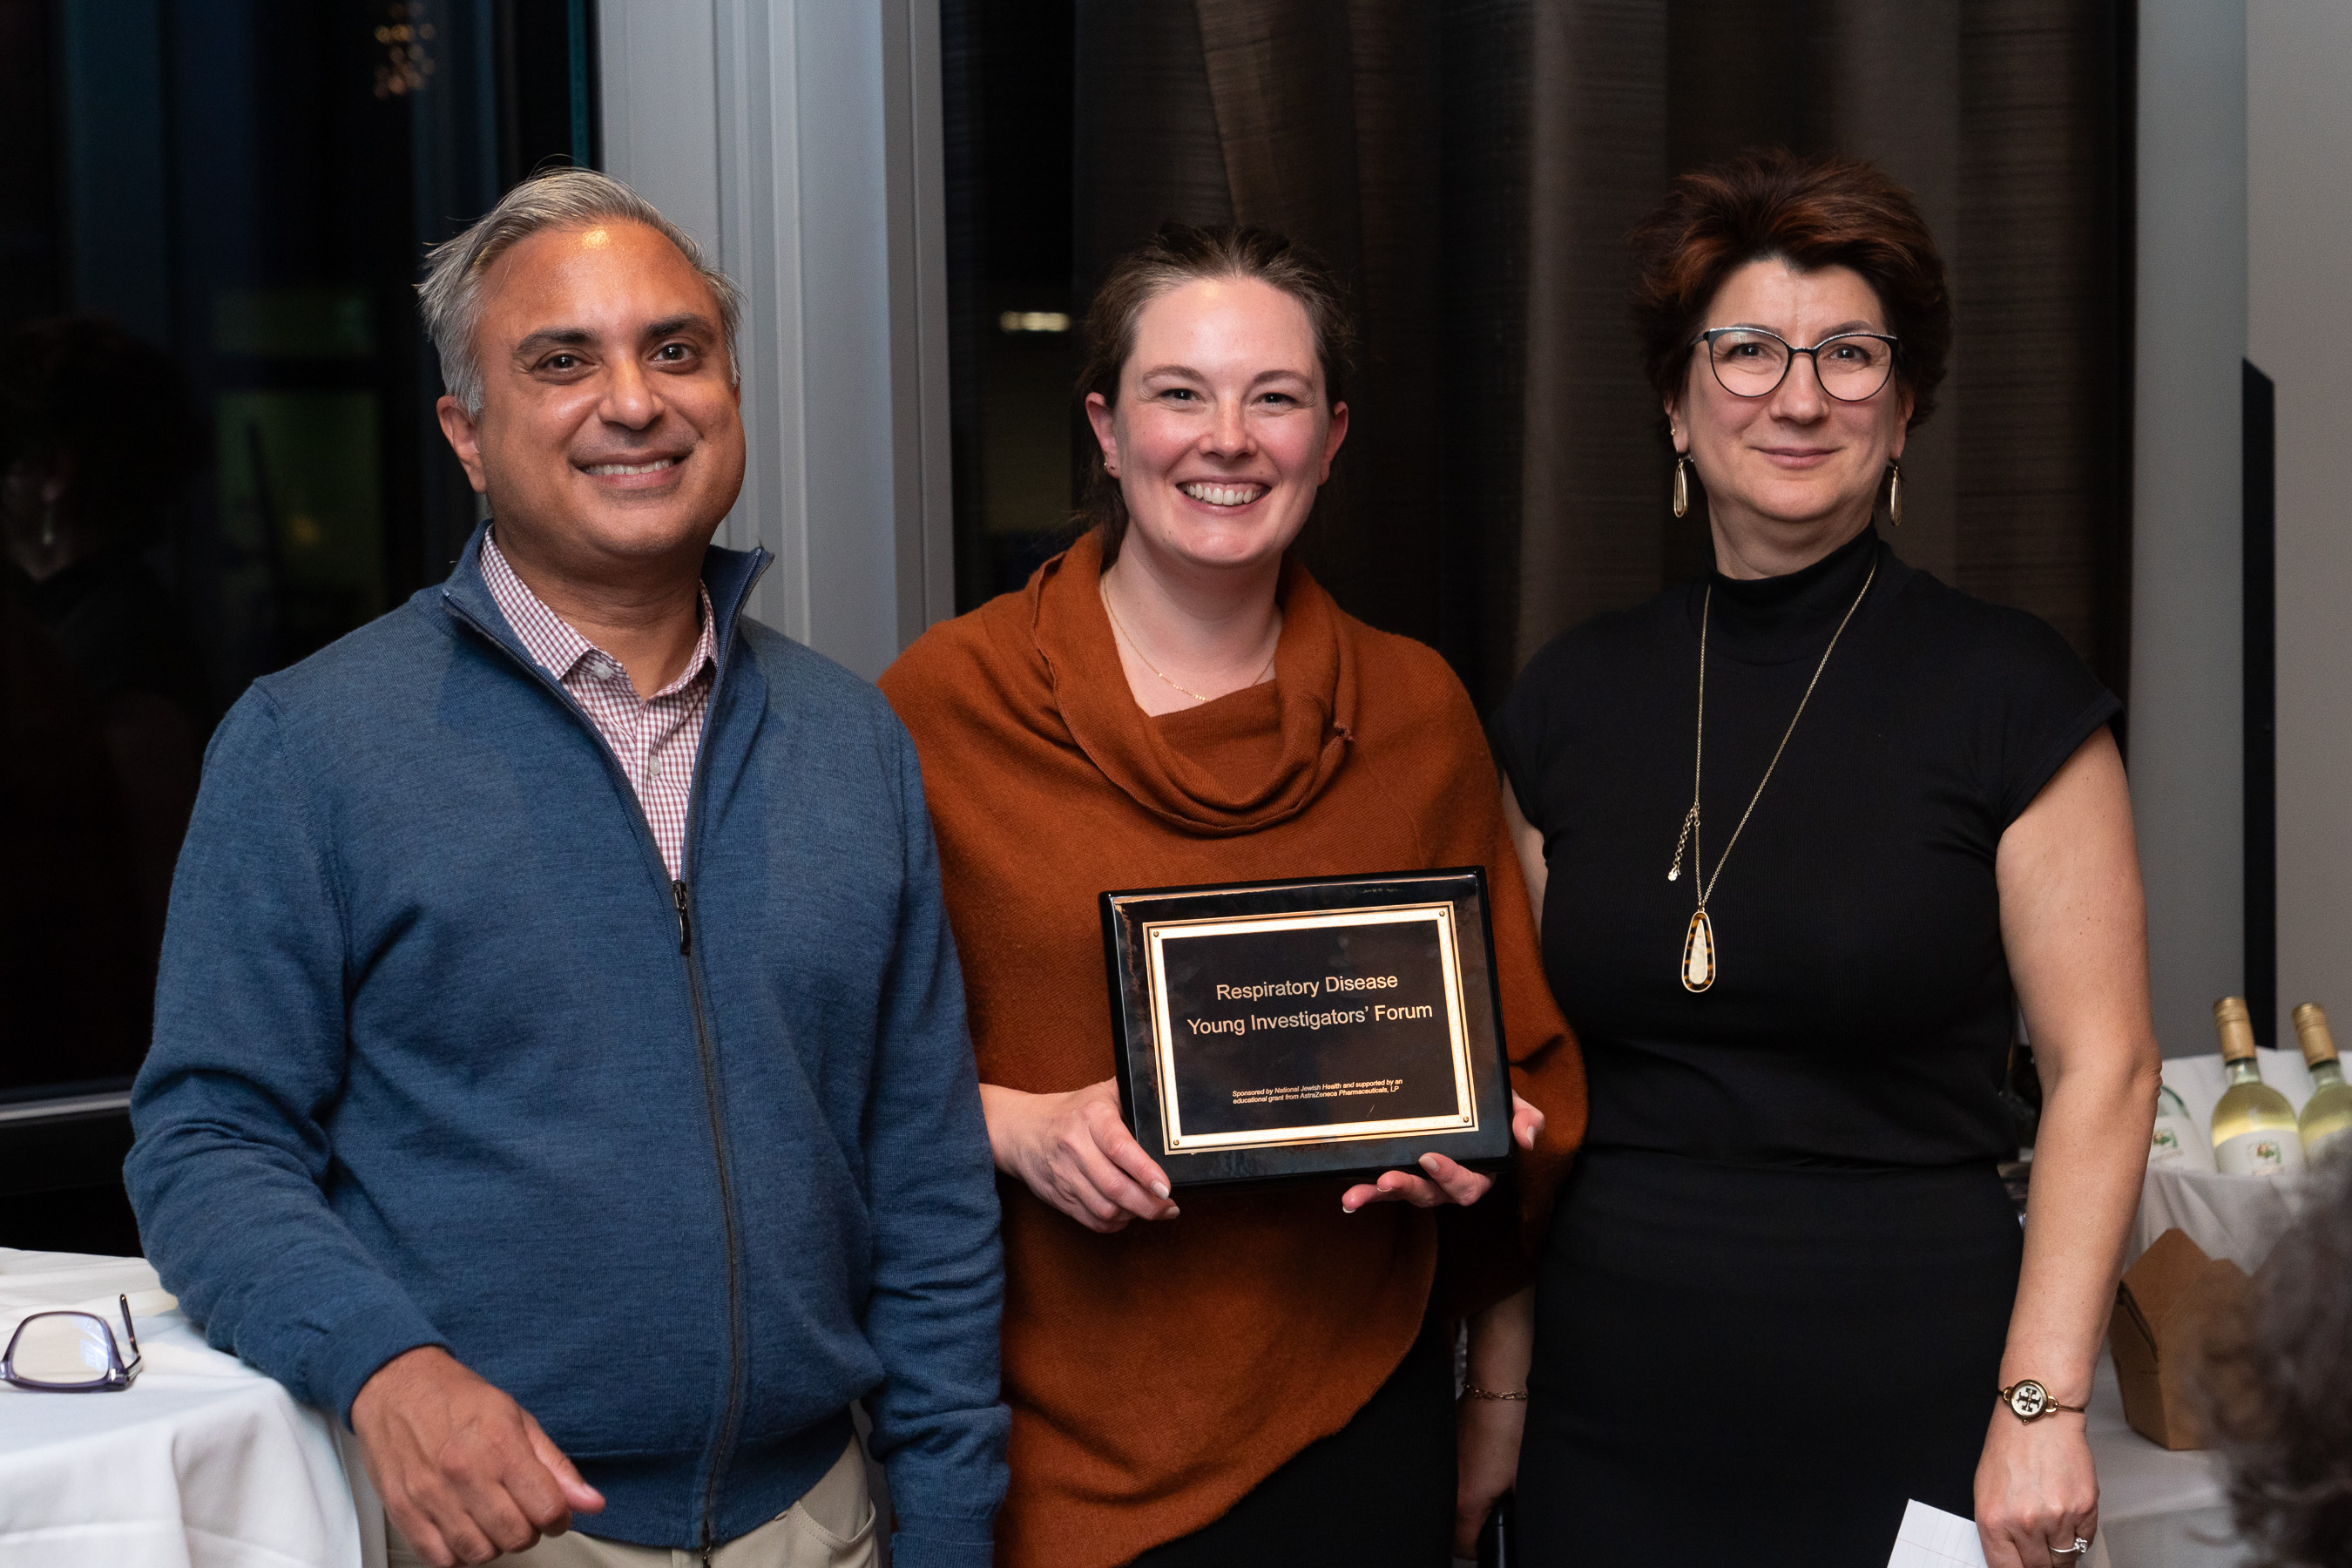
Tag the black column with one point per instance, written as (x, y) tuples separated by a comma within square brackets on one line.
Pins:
[(2261, 704)]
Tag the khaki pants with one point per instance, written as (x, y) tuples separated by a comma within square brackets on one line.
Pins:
[(832, 1527)]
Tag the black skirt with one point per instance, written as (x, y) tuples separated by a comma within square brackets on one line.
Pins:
[(1761, 1364), (1377, 1493)]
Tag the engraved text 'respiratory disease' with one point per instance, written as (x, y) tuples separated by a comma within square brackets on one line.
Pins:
[(1346, 1024)]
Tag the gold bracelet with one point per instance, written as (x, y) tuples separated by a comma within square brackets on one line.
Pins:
[(1471, 1391)]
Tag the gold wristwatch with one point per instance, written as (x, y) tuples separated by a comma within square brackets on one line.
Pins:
[(2029, 1401)]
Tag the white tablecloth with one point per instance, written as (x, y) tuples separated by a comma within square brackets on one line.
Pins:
[(2166, 1510), (203, 1463), (206, 1463), (2236, 1217), (2158, 1509)]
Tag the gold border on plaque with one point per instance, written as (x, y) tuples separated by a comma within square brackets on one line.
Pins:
[(1174, 1138)]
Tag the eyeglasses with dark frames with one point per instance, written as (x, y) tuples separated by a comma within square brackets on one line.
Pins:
[(1749, 362), (71, 1352)]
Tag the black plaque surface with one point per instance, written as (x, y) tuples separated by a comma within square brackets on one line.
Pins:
[(1323, 1027)]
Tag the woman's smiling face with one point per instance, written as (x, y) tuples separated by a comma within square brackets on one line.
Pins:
[(1223, 431)]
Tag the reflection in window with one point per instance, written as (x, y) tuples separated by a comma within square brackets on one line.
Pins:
[(1006, 70), (217, 449), (106, 709)]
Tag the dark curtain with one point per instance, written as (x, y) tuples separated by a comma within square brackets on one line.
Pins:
[(1471, 170)]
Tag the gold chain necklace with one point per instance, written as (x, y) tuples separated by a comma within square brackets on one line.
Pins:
[(1698, 940), (1103, 590)]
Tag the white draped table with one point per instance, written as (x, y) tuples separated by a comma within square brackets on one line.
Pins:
[(2236, 1217), (206, 1463), (2161, 1508), (2158, 1509), (202, 1463)]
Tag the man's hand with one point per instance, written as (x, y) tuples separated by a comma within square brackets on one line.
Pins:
[(463, 1471), (1072, 1151)]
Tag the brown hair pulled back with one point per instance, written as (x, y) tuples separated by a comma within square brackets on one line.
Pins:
[(1180, 254), (1810, 212)]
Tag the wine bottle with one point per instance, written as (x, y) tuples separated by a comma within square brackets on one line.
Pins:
[(2254, 1126), (2177, 1140), (2327, 1114)]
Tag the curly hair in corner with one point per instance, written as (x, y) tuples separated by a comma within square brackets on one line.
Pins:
[(2278, 1389)]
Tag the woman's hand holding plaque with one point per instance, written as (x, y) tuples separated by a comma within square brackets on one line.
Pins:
[(1446, 1183), (1075, 1152), (1072, 1151)]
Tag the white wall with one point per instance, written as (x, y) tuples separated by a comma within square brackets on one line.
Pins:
[(800, 140), (2187, 743), (2299, 330)]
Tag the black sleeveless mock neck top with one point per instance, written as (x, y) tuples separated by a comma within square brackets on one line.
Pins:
[(1861, 1012)]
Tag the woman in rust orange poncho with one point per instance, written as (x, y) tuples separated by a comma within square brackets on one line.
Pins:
[(1266, 1377)]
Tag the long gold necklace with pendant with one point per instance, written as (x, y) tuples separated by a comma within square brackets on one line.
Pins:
[(1698, 940)]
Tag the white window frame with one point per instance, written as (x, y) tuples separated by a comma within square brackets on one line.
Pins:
[(800, 140)]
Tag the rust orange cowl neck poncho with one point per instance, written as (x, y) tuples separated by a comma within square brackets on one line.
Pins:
[(1157, 1374)]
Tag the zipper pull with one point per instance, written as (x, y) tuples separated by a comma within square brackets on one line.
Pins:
[(685, 930)]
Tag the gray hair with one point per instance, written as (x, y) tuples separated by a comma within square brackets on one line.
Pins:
[(451, 295)]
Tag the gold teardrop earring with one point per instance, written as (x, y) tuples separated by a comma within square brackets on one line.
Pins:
[(1682, 484), (1894, 493)]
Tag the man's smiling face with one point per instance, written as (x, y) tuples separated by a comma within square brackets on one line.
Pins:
[(611, 431)]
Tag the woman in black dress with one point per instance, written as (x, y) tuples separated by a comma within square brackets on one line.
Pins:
[(1802, 832)]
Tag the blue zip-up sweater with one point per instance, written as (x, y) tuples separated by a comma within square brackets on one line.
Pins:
[(443, 1057)]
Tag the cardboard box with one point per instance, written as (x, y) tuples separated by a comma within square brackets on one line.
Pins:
[(2160, 1307)]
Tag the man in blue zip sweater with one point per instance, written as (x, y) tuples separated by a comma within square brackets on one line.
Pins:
[(560, 1069)]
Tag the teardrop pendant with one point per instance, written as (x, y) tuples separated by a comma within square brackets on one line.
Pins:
[(1698, 953), (1681, 486)]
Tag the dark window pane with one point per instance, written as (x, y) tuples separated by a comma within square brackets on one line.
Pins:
[(217, 444), (1008, 71)]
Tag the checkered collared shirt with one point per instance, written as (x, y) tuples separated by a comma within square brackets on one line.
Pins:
[(653, 738)]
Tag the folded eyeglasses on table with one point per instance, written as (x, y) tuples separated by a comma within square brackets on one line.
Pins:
[(70, 1353)]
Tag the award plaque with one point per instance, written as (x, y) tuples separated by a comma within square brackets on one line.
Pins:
[(1324, 1026)]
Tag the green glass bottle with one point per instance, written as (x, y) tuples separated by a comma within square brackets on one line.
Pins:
[(2254, 1126), (2327, 1114)]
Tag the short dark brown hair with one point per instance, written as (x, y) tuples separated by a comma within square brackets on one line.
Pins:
[(1180, 254), (1810, 212)]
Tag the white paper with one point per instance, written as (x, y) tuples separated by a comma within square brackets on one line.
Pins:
[(1930, 1538)]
